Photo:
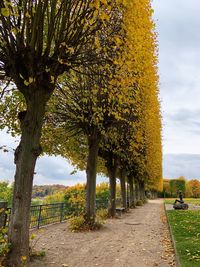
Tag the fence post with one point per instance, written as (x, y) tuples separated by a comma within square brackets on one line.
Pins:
[(39, 217), (61, 211), (3, 209)]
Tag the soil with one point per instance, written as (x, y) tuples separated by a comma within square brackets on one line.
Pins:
[(139, 238)]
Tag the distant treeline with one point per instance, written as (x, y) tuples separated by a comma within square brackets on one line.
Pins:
[(45, 190), (48, 194), (189, 188)]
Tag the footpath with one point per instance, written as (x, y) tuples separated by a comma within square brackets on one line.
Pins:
[(139, 238)]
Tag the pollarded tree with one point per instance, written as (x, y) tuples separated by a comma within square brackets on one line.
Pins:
[(40, 40), (84, 106), (90, 102)]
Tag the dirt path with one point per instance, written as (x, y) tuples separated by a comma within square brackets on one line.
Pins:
[(137, 239)]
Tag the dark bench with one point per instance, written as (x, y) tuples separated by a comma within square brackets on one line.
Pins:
[(120, 210)]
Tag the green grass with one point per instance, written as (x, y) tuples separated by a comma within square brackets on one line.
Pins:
[(195, 201), (185, 227)]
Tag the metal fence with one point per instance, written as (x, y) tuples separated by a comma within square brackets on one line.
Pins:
[(41, 215)]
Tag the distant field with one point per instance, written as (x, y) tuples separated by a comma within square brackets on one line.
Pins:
[(185, 227), (195, 201)]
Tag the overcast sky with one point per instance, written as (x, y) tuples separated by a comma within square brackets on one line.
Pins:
[(178, 24)]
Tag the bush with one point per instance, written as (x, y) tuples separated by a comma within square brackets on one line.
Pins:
[(32, 251), (102, 214), (139, 203), (79, 224), (145, 200), (102, 192), (6, 191), (4, 245)]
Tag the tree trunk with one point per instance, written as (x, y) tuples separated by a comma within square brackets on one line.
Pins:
[(140, 191), (112, 197), (112, 170), (26, 155), (136, 191), (127, 196), (143, 191), (93, 147), (132, 197), (123, 188)]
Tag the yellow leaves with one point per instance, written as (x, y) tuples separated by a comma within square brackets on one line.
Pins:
[(52, 79), (104, 16), (127, 91), (97, 43), (23, 260), (27, 15), (71, 50), (5, 11), (33, 236), (96, 13), (15, 30), (29, 81), (104, 2), (118, 40)]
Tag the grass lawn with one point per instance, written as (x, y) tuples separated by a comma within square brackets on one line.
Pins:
[(185, 227), (195, 201)]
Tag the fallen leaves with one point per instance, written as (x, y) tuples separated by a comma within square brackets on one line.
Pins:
[(169, 254)]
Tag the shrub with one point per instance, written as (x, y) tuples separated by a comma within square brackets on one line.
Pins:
[(102, 192), (32, 251), (79, 224), (145, 200), (139, 203), (57, 197), (6, 191), (102, 214), (4, 245)]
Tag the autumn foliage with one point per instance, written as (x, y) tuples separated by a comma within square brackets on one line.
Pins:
[(85, 86)]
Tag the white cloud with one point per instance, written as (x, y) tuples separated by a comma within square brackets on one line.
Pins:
[(49, 170), (181, 165), (178, 24)]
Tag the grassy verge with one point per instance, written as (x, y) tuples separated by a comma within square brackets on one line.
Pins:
[(195, 201), (185, 227)]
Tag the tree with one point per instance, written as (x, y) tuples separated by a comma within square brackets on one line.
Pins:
[(90, 102), (166, 188), (177, 185), (39, 41), (194, 186), (124, 93)]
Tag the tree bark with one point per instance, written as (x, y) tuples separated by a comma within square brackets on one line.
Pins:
[(123, 188), (143, 190), (140, 190), (93, 147), (136, 191), (112, 170), (26, 155), (132, 197)]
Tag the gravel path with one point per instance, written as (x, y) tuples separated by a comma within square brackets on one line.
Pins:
[(139, 238)]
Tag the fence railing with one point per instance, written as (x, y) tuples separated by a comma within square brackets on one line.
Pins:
[(45, 214)]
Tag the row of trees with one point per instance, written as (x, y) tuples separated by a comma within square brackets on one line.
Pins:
[(190, 188), (81, 76)]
